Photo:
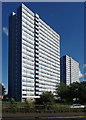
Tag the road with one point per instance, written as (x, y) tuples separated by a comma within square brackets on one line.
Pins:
[(45, 116)]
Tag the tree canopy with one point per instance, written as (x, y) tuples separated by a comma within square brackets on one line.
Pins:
[(46, 98), (75, 91)]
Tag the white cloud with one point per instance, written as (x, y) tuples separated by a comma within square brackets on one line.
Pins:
[(84, 80), (80, 74), (2, 84), (5, 30)]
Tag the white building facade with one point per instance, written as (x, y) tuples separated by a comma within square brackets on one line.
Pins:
[(74, 71), (69, 70), (38, 49)]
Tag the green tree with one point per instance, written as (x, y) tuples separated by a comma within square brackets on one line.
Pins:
[(82, 92), (46, 98), (12, 100), (74, 91), (62, 91)]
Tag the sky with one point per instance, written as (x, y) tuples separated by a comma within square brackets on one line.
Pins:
[(66, 18)]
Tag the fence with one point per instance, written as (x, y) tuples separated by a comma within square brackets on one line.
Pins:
[(26, 108)]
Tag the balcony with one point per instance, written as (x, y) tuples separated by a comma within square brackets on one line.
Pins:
[(37, 51), (37, 75), (37, 55), (37, 71), (36, 31), (37, 35), (36, 19), (37, 68), (37, 47), (37, 43), (36, 23), (36, 27), (36, 15), (37, 39), (37, 63), (37, 59)]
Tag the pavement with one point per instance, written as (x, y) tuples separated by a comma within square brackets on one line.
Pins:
[(44, 116)]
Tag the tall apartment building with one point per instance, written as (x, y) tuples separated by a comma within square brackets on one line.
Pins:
[(34, 56), (69, 70)]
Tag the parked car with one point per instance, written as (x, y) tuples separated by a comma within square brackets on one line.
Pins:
[(77, 106)]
